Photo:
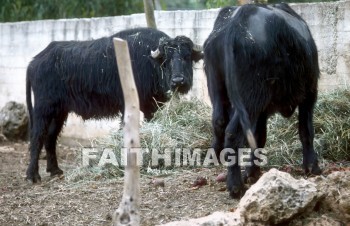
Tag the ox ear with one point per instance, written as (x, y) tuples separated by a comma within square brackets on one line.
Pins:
[(197, 52)]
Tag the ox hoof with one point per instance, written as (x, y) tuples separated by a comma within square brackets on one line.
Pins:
[(250, 180), (313, 169), (34, 180), (53, 172), (250, 177), (237, 192), (316, 170)]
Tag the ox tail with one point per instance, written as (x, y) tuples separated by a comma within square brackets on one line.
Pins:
[(232, 86), (29, 102)]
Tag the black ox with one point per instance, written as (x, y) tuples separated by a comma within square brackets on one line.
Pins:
[(82, 77), (260, 60)]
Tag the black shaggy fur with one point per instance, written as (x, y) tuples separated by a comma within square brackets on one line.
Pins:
[(82, 77), (259, 60)]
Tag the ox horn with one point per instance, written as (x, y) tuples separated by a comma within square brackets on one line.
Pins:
[(155, 54), (197, 47)]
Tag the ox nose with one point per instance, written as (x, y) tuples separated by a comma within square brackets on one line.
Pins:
[(178, 80)]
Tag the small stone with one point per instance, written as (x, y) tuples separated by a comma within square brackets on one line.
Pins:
[(199, 182)]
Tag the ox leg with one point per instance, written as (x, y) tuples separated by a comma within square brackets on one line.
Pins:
[(253, 172), (306, 134), (50, 145), (234, 138), (221, 107), (219, 122), (40, 124)]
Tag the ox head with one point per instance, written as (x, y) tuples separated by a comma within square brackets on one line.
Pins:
[(176, 57)]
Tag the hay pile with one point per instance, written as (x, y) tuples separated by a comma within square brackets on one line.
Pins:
[(187, 124), (179, 123), (332, 132), (332, 125)]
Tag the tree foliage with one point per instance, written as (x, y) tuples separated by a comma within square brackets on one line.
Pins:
[(19, 10)]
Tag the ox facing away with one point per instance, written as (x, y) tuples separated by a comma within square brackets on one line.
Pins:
[(82, 77), (260, 60)]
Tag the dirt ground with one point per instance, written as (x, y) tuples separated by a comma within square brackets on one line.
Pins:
[(57, 201)]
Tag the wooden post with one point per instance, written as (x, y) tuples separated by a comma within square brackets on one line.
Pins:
[(128, 212), (149, 12), (243, 2)]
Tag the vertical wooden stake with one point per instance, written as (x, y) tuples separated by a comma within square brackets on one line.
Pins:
[(128, 212), (149, 13)]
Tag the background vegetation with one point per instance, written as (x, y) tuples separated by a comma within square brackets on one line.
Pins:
[(20, 10)]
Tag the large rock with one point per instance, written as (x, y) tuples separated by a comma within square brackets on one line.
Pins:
[(2, 137), (337, 197), (277, 197), (215, 219), (14, 121), (323, 220)]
